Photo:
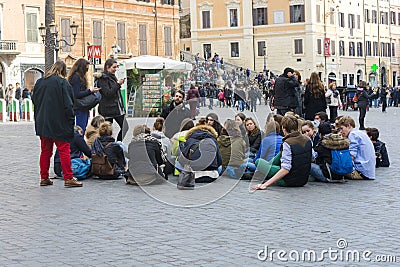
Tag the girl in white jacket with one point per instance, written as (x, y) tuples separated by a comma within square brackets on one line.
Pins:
[(333, 100)]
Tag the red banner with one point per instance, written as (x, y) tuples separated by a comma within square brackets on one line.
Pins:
[(327, 47)]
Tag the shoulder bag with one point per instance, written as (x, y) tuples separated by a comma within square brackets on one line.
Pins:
[(186, 179)]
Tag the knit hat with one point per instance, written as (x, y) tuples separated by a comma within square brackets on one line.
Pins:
[(184, 122), (213, 116), (325, 128)]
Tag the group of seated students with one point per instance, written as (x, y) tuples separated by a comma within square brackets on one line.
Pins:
[(289, 151)]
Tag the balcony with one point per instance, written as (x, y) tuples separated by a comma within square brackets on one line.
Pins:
[(8, 47)]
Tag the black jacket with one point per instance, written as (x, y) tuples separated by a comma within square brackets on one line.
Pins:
[(113, 151), (285, 95), (255, 142), (79, 146), (313, 104), (111, 103), (54, 115), (173, 116)]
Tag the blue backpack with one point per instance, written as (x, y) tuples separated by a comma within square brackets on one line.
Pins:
[(342, 163)]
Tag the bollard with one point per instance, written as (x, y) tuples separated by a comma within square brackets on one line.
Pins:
[(14, 110), (3, 110), (27, 110)]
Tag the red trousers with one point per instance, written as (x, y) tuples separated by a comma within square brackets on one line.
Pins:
[(46, 153)]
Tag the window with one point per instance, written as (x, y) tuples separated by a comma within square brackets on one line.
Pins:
[(235, 49), (351, 79), (297, 13), (393, 50), (358, 21), (142, 39), (344, 79), (32, 25), (351, 49), (398, 18), (121, 37), (233, 17), (331, 18), (383, 48), (65, 34), (206, 19), (319, 46), (341, 48), (261, 46), (359, 49), (168, 2), (374, 16), (368, 48), (388, 50), (260, 16), (384, 18), (367, 17), (392, 17), (207, 51), (318, 13), (351, 21), (341, 20), (97, 35), (168, 41), (333, 47), (375, 49), (298, 46)]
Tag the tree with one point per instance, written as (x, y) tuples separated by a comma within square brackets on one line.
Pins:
[(49, 17)]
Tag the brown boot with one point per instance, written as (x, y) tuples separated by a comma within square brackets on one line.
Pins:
[(72, 183), (46, 182)]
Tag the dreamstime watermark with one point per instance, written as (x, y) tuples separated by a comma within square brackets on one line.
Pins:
[(340, 253)]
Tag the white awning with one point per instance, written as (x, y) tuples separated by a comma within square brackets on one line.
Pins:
[(157, 63)]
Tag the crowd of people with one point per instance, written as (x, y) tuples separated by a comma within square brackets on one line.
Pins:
[(290, 150)]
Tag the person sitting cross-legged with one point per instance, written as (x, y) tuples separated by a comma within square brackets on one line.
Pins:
[(295, 162)]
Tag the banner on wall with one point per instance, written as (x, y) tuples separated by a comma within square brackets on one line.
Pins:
[(327, 47)]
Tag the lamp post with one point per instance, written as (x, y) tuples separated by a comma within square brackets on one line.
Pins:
[(265, 60), (55, 43), (116, 49)]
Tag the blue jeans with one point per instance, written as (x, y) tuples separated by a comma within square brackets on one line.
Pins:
[(82, 118), (241, 105), (376, 103), (316, 172)]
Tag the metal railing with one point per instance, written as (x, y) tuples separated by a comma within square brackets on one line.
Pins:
[(8, 45)]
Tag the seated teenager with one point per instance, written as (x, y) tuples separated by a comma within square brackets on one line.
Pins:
[(145, 158), (232, 148), (105, 142), (158, 133), (254, 137), (295, 161), (308, 129), (92, 131), (381, 154), (361, 149), (178, 139), (201, 151)]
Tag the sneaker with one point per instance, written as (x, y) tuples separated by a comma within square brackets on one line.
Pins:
[(130, 180), (73, 182), (355, 175), (45, 182)]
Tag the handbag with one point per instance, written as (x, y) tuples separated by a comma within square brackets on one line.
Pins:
[(186, 179), (86, 102)]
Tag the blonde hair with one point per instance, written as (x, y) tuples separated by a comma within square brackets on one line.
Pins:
[(105, 129), (59, 68)]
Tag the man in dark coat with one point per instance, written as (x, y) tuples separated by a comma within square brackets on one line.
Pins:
[(285, 97), (54, 121), (174, 114)]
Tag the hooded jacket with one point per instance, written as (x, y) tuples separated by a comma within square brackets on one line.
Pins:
[(206, 155), (232, 150)]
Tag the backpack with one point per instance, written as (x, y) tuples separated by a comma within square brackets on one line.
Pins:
[(80, 168), (342, 163), (101, 166)]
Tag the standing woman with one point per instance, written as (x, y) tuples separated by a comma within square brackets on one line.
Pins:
[(334, 96), (54, 121), (299, 94), (314, 97), (363, 99), (111, 104), (78, 80)]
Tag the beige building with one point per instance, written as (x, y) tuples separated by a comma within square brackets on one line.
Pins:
[(142, 27), (21, 54), (346, 41)]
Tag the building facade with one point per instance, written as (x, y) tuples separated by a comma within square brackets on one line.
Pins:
[(141, 27), (21, 54), (345, 41)]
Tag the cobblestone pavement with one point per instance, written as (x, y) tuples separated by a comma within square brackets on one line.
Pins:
[(108, 223)]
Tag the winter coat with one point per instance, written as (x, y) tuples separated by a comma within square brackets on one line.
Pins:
[(113, 151), (270, 146), (255, 142), (91, 134), (334, 96), (54, 114), (111, 103), (207, 155), (363, 98), (79, 147), (313, 104), (80, 90), (285, 95), (233, 150), (165, 142), (193, 95), (145, 158)]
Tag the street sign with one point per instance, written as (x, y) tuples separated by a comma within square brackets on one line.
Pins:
[(94, 54)]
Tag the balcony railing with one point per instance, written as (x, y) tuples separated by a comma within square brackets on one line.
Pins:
[(8, 46)]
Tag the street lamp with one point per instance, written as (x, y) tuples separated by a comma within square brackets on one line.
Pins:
[(116, 49), (55, 43), (265, 60)]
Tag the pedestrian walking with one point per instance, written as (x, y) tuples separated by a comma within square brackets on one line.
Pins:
[(192, 98), (54, 121), (382, 95), (111, 105)]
